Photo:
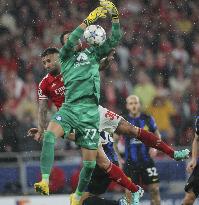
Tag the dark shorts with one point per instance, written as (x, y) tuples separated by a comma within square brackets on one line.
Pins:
[(99, 182), (142, 174), (193, 182)]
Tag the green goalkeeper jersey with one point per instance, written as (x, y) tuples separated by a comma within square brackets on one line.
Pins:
[(80, 69)]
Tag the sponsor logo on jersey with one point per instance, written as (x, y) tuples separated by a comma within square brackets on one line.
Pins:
[(135, 141), (82, 59), (60, 91), (58, 118)]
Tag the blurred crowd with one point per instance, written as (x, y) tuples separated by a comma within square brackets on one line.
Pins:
[(157, 59)]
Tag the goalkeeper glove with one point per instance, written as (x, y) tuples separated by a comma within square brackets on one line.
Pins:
[(111, 8), (99, 12)]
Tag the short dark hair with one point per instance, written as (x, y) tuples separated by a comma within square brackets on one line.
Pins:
[(49, 51), (62, 36)]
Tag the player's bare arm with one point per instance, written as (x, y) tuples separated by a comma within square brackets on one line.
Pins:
[(42, 115), (37, 133)]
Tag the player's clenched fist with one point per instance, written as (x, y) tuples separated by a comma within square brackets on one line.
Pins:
[(99, 12), (111, 8), (35, 134)]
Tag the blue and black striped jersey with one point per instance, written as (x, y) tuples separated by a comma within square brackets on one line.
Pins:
[(135, 151)]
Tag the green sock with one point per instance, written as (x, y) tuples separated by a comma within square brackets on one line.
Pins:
[(84, 177), (45, 177), (47, 155)]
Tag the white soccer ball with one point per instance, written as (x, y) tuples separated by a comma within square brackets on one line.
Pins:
[(95, 35)]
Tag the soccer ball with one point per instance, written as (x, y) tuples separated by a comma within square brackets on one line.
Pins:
[(95, 35)]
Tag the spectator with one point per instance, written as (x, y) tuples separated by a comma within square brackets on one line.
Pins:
[(145, 90), (178, 82), (26, 143), (28, 101), (14, 86), (162, 110), (9, 127), (179, 53)]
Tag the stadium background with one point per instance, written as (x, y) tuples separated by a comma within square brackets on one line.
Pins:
[(158, 60)]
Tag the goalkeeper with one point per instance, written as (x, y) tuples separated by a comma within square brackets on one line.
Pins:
[(80, 71)]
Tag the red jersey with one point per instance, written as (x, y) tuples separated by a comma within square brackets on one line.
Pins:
[(52, 87)]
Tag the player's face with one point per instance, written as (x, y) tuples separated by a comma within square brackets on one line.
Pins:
[(133, 105), (50, 62)]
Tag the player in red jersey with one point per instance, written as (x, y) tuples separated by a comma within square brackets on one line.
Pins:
[(52, 87)]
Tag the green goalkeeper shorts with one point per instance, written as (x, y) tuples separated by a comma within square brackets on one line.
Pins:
[(84, 120)]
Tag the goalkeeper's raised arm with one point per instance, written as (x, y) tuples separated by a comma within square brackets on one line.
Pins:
[(116, 34), (112, 10), (73, 38)]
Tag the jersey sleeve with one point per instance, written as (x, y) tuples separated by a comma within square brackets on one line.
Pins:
[(111, 42), (42, 90), (152, 124), (69, 47), (197, 125)]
